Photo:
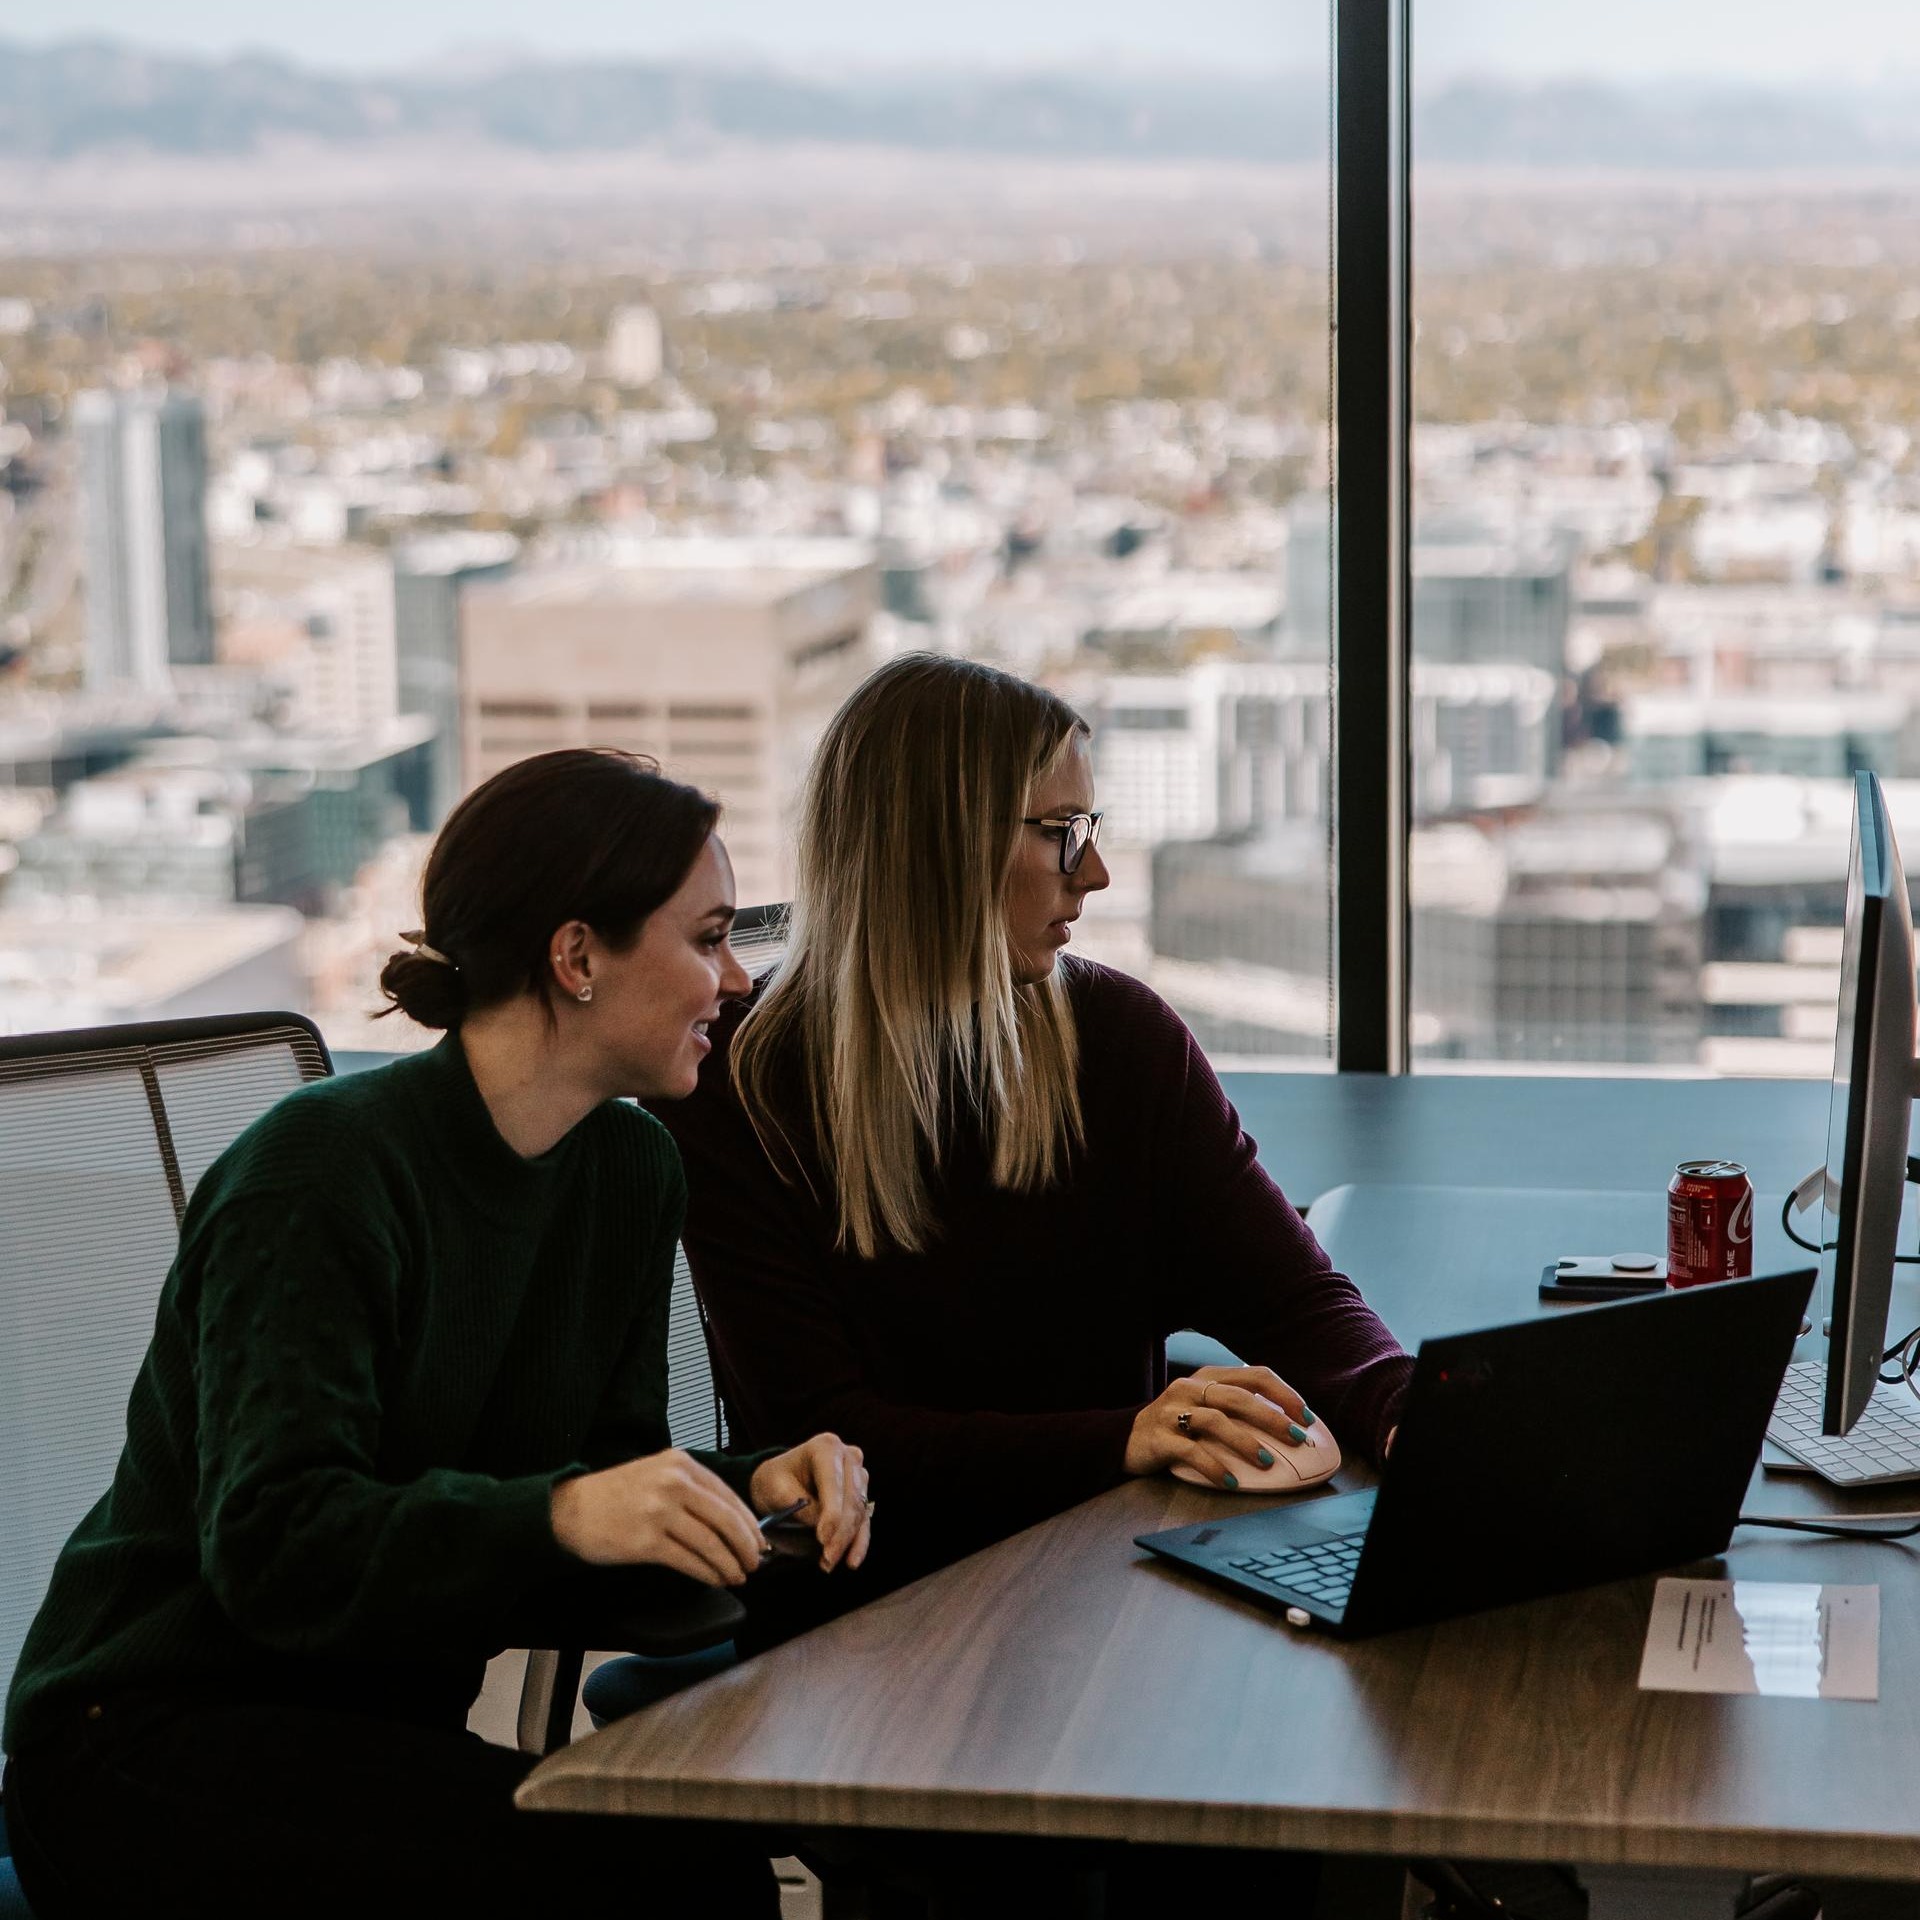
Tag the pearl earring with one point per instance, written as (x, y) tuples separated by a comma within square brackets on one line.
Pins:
[(585, 993)]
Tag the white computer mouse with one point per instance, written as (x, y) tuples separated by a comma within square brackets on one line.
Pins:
[(1293, 1467)]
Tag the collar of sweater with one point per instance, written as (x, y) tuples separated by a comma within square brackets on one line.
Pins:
[(497, 1181)]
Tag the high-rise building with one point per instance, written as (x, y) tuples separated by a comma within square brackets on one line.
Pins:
[(319, 621), (636, 346), (1309, 560), (1570, 937), (255, 817), (1235, 745), (143, 483), (1493, 600), (723, 659), (1812, 733), (428, 578), (1477, 601)]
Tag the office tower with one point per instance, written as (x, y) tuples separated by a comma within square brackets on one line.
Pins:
[(429, 577), (1813, 734), (1476, 601), (320, 622), (1234, 745), (1572, 934), (143, 482), (1157, 755), (1308, 560), (1481, 601), (722, 658), (636, 346), (259, 818), (55, 740)]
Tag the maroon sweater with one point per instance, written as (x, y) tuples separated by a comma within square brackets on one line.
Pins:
[(993, 1379)]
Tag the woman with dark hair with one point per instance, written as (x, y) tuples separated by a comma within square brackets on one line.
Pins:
[(406, 1387)]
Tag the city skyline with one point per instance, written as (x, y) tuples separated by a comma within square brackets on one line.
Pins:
[(1046, 390), (1861, 41)]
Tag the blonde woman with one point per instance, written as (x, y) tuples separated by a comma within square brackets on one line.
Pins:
[(951, 1188)]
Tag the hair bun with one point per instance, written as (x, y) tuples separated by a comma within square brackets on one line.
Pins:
[(429, 992)]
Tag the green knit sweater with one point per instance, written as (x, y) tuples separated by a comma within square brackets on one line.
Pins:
[(384, 1339)]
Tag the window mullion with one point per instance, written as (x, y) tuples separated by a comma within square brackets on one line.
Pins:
[(1371, 531)]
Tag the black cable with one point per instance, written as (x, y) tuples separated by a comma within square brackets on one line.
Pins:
[(1813, 1246), (1868, 1527), (1786, 1227)]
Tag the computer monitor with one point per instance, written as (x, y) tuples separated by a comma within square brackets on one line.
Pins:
[(1867, 1115)]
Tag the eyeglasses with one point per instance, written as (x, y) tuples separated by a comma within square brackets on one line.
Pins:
[(1077, 831)]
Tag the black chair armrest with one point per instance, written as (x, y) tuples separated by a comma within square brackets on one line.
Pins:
[(651, 1610), (705, 1617)]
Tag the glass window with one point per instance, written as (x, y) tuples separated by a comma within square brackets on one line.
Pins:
[(327, 491), (1666, 521)]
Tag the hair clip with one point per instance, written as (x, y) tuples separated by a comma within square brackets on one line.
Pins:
[(418, 942)]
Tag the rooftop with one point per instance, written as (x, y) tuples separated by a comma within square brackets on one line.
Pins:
[(655, 572), (60, 968)]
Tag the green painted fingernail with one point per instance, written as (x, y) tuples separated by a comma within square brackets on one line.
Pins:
[(1307, 1416), (1266, 1459), (1298, 1435), (1233, 1485)]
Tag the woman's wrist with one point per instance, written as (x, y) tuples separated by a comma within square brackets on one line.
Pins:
[(756, 1498), (564, 1513), (1139, 1456)]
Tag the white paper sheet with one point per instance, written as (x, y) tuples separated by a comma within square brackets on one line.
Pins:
[(1788, 1638)]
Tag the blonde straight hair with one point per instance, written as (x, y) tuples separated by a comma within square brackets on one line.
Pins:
[(895, 1015)]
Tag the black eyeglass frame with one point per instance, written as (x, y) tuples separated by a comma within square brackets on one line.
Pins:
[(1070, 855)]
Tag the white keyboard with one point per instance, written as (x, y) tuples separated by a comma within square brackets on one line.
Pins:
[(1884, 1444)]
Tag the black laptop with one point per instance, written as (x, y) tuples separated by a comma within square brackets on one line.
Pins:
[(1531, 1459)]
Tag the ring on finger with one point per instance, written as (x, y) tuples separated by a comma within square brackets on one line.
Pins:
[(1206, 1387), (1184, 1421)]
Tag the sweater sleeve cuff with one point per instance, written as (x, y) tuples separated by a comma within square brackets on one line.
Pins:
[(1384, 1403), (526, 1521), (1107, 1439)]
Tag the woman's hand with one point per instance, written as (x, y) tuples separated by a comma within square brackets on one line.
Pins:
[(664, 1509), (1217, 1420), (828, 1477)]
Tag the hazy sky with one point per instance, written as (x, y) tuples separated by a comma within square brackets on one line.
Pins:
[(1772, 40)]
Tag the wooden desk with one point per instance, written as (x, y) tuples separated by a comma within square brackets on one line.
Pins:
[(1062, 1684)]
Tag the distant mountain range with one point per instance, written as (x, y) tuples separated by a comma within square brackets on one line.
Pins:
[(95, 97)]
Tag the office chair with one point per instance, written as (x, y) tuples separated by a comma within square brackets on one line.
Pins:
[(695, 1418), (104, 1134), (13, 1903)]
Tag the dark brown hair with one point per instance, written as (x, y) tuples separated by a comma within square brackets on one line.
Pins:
[(587, 833)]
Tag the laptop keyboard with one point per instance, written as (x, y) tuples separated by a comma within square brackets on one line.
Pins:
[(1884, 1444), (1322, 1572)]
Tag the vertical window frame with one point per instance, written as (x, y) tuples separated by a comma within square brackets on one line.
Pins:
[(1371, 534)]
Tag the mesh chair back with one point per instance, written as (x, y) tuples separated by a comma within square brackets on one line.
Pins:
[(103, 1136), (759, 937), (694, 1417)]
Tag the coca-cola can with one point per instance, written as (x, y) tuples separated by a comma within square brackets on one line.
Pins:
[(1709, 1223)]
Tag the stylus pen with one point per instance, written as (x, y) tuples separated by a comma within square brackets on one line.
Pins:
[(771, 1520)]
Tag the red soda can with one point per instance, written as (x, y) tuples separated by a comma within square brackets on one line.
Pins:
[(1709, 1223)]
